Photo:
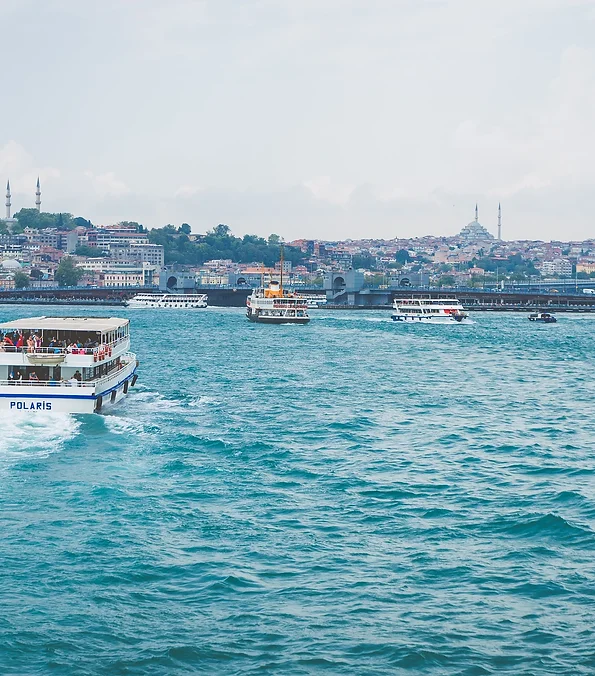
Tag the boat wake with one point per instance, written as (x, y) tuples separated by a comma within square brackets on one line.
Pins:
[(24, 437)]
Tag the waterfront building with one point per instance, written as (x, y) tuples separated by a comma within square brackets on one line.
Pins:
[(585, 265), (558, 266), (103, 238), (134, 252)]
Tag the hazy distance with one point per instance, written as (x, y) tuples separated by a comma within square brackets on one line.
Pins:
[(313, 118)]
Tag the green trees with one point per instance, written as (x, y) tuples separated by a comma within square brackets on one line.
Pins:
[(31, 218), (446, 280), (21, 280), (219, 243), (367, 262), (514, 265), (90, 251), (402, 256), (67, 273)]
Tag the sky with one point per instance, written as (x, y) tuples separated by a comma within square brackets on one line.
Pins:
[(326, 119)]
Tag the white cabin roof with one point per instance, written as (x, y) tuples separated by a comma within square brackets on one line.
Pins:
[(65, 324)]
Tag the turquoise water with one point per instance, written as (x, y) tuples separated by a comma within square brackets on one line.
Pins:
[(349, 497)]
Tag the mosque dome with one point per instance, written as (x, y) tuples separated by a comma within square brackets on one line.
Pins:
[(475, 232), (10, 264)]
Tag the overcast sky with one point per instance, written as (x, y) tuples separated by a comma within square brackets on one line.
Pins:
[(314, 118)]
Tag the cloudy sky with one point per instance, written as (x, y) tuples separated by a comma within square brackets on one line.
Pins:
[(315, 118)]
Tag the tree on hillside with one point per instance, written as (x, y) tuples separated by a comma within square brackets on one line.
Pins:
[(67, 273), (80, 222), (367, 262), (446, 280), (185, 229), (402, 256), (31, 218), (90, 251), (21, 280), (220, 243), (4, 228)]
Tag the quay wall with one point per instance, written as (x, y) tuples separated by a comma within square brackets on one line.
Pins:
[(366, 299)]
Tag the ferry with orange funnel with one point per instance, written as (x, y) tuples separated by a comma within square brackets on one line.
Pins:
[(275, 305)]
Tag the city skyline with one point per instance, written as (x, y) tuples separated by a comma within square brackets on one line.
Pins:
[(328, 119)]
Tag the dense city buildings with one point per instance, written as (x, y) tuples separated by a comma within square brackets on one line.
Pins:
[(123, 255)]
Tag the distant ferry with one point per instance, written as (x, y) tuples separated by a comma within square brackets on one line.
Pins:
[(543, 317), (314, 300), (429, 310), (276, 306), (169, 300), (65, 364)]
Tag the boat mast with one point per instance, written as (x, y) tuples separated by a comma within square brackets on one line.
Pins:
[(281, 282)]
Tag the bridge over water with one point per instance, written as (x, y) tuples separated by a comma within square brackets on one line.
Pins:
[(362, 298)]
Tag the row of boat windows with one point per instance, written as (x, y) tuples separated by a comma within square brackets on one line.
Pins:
[(282, 313), (425, 311)]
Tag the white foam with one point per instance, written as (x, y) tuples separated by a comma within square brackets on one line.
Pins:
[(25, 437)]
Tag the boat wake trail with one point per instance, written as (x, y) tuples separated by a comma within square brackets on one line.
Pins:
[(24, 437)]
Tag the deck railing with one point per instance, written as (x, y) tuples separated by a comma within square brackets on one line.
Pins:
[(69, 383), (101, 349), (49, 383)]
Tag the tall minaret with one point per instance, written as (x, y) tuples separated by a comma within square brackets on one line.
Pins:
[(38, 196), (476, 213), (499, 222), (7, 200)]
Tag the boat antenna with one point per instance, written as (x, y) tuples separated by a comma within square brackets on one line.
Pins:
[(281, 282)]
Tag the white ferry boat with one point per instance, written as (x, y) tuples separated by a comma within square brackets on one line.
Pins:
[(276, 306), (314, 300), (169, 300), (65, 364), (429, 310)]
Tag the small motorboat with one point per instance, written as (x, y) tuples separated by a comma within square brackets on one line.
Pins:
[(543, 317)]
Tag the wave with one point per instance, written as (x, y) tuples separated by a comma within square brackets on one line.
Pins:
[(25, 438)]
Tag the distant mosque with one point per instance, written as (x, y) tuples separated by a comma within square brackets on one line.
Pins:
[(8, 218), (475, 232)]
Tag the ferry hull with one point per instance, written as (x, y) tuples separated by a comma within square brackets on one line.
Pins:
[(437, 319), (31, 399), (163, 306), (278, 320)]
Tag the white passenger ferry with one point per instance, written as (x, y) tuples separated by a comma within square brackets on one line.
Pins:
[(429, 310), (276, 306), (65, 364), (314, 300), (169, 300)]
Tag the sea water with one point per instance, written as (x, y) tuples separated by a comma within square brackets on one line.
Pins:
[(354, 496)]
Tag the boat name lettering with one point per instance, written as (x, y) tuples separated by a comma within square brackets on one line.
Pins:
[(34, 405)]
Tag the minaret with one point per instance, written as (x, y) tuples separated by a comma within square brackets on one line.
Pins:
[(476, 213), (38, 196), (499, 223), (7, 200)]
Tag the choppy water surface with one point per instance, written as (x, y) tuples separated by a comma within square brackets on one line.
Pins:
[(348, 497)]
